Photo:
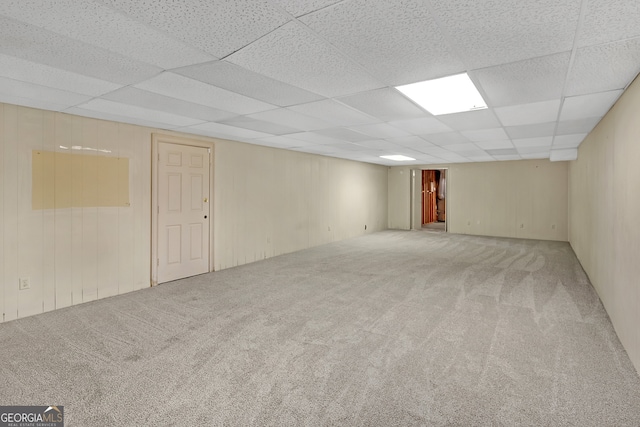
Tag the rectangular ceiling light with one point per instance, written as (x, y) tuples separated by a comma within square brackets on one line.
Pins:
[(398, 158), (453, 94)]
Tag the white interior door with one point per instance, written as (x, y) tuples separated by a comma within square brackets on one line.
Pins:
[(183, 211)]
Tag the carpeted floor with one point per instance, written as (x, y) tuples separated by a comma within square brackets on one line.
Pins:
[(389, 329)]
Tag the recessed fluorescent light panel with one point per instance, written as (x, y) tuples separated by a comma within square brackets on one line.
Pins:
[(453, 94), (398, 158)]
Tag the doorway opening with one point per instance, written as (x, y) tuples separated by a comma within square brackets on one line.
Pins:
[(434, 199)]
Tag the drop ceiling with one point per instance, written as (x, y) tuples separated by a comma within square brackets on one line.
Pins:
[(319, 76)]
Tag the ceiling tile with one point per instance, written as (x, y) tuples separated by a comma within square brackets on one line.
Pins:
[(497, 144), (577, 126), (502, 152), (240, 80), (462, 147), (490, 32), (604, 67), (258, 125), (180, 87), (504, 157), (421, 126), (344, 134), (334, 113), (101, 26), (386, 104), (15, 89), (413, 142), (381, 144), (535, 150), (544, 142), (585, 106), (294, 55), (142, 98), (314, 137), (281, 142), (219, 130), (523, 82), (115, 117), (568, 141), (607, 21), (380, 130), (117, 108), (38, 45), (44, 75), (299, 8), (471, 120), (402, 33), (446, 138), (287, 117), (484, 157), (526, 114), (40, 103), (485, 134), (536, 155), (531, 131), (216, 27), (563, 155)]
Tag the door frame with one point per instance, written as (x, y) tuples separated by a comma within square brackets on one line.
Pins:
[(415, 220), (156, 139)]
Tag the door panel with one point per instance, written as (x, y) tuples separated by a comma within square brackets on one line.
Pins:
[(183, 211)]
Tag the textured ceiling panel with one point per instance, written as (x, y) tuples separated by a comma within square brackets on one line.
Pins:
[(457, 148), (122, 118), (413, 142), (536, 155), (117, 108), (524, 82), (142, 98), (401, 32), (380, 130), (526, 114), (344, 134), (33, 103), (281, 142), (217, 27), (14, 88), (240, 80), (386, 104), (577, 126), (496, 144), (585, 106), (485, 134), (299, 8), (491, 32), (228, 132), (423, 126), (531, 131), (604, 67), (607, 21), (381, 144), (563, 155), (101, 26), (286, 117), (42, 46), (544, 141), (471, 120), (44, 75), (315, 138), (181, 87), (258, 125), (446, 138), (334, 113), (294, 55), (568, 141)]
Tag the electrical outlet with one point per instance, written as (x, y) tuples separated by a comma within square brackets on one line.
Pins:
[(24, 283)]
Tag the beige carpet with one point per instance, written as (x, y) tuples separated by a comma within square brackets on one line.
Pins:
[(389, 329)]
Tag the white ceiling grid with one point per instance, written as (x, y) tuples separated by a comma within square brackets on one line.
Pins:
[(318, 76)]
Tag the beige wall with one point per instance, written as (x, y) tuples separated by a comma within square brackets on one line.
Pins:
[(526, 198), (604, 215), (266, 202)]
